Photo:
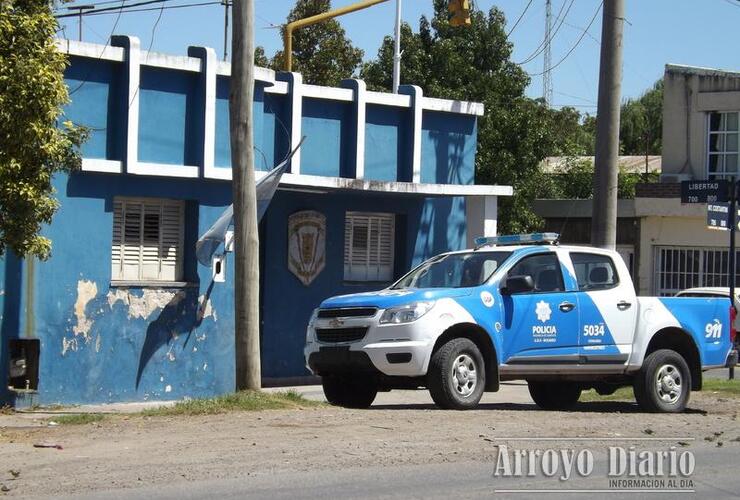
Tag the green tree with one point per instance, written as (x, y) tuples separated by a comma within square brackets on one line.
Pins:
[(260, 59), (641, 123), (322, 53), (33, 144), (474, 63)]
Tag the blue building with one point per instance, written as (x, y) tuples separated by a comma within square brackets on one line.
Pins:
[(123, 311)]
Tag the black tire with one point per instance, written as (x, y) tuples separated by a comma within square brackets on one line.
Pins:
[(349, 391), (451, 372), (554, 395), (663, 384)]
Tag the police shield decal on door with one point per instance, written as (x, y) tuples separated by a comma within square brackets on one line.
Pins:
[(607, 309)]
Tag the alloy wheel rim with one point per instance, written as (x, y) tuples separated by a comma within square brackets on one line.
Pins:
[(464, 375), (669, 383)]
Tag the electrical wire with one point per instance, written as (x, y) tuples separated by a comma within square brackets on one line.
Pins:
[(543, 44), (130, 6), (149, 9), (102, 51), (574, 46), (521, 16)]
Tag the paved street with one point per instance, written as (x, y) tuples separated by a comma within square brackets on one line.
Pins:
[(403, 447)]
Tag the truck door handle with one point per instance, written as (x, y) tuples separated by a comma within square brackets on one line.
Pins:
[(623, 305), (567, 306)]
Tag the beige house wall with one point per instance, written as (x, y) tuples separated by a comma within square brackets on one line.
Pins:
[(689, 95)]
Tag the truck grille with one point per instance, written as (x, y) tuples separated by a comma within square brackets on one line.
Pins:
[(349, 334), (348, 312)]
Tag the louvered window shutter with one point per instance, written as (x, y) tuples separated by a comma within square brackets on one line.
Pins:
[(368, 246), (147, 240)]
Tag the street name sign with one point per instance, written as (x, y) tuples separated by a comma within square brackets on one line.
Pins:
[(718, 216), (705, 191)]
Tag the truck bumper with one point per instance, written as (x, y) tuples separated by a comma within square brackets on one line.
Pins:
[(731, 358)]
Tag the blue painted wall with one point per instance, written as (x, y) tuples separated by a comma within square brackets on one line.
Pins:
[(327, 126), (448, 144), (386, 157), (123, 353), (104, 343), (169, 112), (424, 227), (98, 103)]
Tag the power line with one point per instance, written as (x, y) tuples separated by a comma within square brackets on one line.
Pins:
[(147, 2), (102, 51), (583, 34), (560, 18), (167, 7), (521, 16)]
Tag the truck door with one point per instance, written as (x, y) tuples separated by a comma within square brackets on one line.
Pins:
[(540, 326), (607, 307)]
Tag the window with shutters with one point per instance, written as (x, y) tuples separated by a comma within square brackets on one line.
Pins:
[(368, 246), (147, 239)]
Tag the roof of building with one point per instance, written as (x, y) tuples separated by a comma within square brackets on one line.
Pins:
[(631, 164), (698, 70)]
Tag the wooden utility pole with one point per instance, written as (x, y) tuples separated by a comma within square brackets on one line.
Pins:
[(604, 215), (246, 240)]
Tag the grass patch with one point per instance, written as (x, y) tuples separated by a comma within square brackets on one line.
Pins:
[(621, 394), (729, 388), (78, 419), (238, 401)]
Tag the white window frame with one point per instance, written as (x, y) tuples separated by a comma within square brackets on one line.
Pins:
[(693, 274), (169, 237), (380, 268), (722, 155)]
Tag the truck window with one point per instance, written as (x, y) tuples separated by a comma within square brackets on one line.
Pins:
[(594, 271), (456, 270), (544, 270)]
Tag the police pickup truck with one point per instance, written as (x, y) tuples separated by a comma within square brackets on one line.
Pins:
[(563, 318)]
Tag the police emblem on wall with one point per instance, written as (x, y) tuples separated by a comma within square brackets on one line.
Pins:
[(306, 245)]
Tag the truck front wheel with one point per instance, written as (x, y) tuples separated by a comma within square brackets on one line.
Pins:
[(349, 391), (663, 383), (554, 395), (457, 376)]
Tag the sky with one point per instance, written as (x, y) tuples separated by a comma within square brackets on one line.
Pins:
[(691, 32)]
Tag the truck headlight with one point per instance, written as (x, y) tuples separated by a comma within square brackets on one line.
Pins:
[(309, 328), (406, 313)]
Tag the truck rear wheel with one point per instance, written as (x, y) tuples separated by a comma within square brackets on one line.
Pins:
[(349, 391), (663, 384), (554, 395), (457, 375)]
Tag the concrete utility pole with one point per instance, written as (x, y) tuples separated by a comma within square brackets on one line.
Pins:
[(397, 49), (226, 4), (604, 214), (246, 240)]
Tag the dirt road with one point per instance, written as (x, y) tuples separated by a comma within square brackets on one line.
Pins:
[(125, 452)]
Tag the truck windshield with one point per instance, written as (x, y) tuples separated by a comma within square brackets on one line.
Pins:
[(454, 270)]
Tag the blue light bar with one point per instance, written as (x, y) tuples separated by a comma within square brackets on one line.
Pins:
[(517, 239)]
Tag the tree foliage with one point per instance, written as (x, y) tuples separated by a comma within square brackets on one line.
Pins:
[(322, 53), (474, 63), (33, 145), (641, 123)]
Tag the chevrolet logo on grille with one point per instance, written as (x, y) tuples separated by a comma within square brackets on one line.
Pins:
[(336, 323)]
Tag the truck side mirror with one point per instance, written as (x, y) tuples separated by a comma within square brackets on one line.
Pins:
[(518, 284)]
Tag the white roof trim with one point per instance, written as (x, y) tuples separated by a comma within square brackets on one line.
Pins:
[(409, 188), (92, 50), (448, 106), (160, 60), (399, 100), (330, 93)]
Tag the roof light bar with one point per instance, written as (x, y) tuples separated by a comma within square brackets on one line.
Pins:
[(517, 239)]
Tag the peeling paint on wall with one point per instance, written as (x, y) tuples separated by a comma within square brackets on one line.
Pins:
[(86, 291), (205, 309), (151, 299), (69, 345)]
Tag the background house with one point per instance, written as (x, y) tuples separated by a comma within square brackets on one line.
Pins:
[(124, 311), (668, 243)]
